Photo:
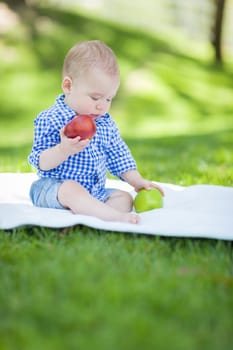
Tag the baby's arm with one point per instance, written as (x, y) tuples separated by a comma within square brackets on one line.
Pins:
[(54, 156), (134, 178)]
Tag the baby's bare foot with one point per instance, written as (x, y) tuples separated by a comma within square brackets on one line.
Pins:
[(131, 218)]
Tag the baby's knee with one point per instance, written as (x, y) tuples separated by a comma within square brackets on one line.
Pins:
[(127, 196), (127, 199)]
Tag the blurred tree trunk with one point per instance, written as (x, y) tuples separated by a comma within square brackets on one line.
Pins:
[(16, 3), (27, 12), (217, 30)]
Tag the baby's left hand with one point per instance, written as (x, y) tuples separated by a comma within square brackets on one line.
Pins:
[(147, 185)]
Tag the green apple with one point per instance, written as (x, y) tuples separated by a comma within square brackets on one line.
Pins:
[(148, 200)]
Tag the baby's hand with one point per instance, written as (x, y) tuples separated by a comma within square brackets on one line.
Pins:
[(154, 185), (71, 146), (147, 185)]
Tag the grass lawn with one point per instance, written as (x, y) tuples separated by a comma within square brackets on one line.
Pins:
[(91, 289)]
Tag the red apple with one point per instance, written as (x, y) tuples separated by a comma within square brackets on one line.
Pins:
[(81, 125)]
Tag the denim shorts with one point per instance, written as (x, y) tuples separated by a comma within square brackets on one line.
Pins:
[(43, 193)]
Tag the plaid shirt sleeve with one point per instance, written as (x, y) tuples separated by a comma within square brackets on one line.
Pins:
[(46, 135), (119, 157)]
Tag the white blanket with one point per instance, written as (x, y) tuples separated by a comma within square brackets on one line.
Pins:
[(203, 211)]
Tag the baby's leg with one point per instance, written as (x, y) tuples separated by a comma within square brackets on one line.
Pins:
[(75, 197), (120, 200)]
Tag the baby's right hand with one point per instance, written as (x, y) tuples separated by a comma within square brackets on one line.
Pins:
[(71, 146)]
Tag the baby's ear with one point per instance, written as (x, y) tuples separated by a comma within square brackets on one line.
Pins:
[(66, 84)]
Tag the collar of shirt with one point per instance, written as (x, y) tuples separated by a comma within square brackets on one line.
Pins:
[(70, 113)]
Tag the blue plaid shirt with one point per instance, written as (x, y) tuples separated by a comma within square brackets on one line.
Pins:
[(106, 150)]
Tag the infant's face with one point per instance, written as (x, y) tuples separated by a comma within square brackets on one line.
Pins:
[(92, 93)]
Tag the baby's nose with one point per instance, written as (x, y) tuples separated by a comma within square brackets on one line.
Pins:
[(99, 107)]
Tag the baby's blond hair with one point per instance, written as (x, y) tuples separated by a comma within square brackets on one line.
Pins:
[(88, 55)]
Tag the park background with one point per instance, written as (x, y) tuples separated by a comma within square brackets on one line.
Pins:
[(88, 288)]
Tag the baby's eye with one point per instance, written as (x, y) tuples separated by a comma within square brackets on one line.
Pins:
[(109, 100)]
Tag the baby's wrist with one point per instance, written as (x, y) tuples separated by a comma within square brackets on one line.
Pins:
[(63, 151)]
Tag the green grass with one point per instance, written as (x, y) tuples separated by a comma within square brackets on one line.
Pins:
[(114, 291), (91, 289)]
